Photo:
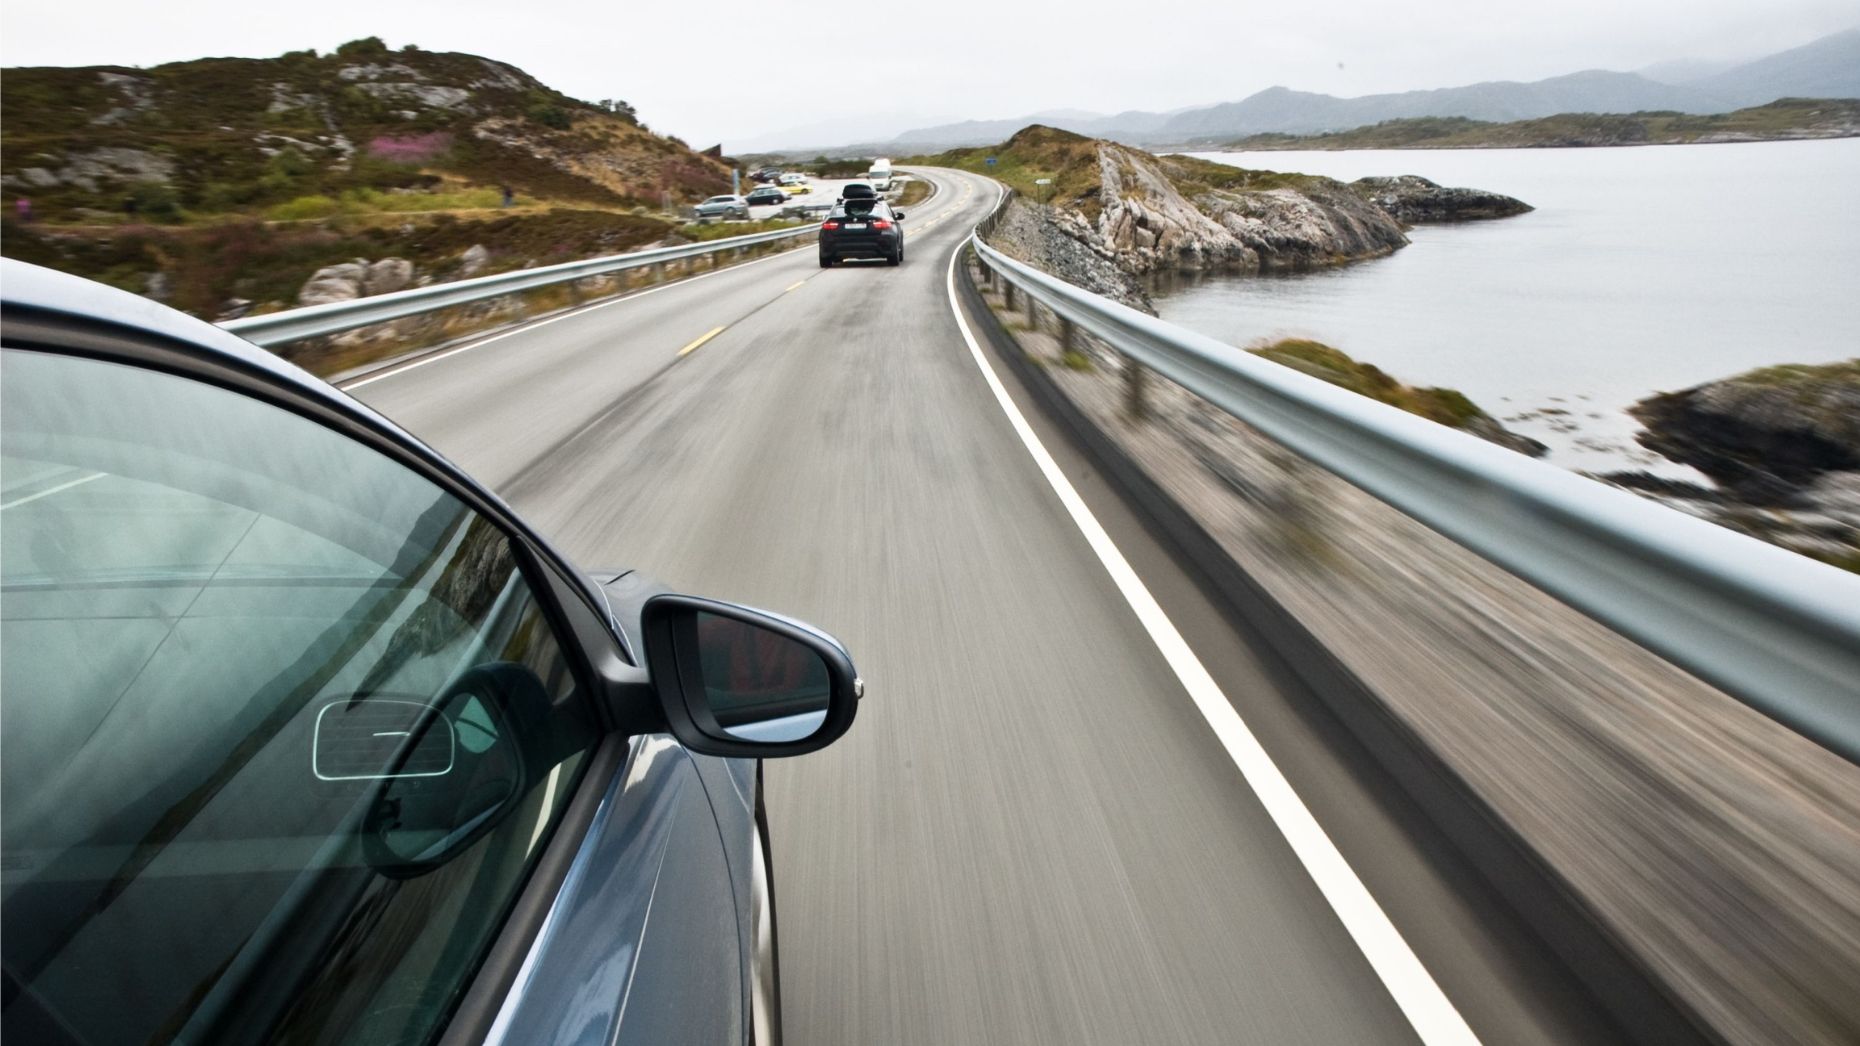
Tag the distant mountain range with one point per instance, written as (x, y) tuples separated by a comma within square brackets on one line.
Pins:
[(1826, 68)]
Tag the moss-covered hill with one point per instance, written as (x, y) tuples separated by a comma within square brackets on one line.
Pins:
[(250, 136), (222, 185), (1786, 118)]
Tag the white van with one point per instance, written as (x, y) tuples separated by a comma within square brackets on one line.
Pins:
[(880, 175)]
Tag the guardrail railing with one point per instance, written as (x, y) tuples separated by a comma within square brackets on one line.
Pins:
[(1776, 630), (280, 328)]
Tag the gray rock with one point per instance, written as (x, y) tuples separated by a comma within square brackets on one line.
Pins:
[(473, 261), (39, 177), (334, 283), (232, 309), (1765, 435), (111, 163), (432, 96), (1413, 200), (371, 71), (158, 286), (388, 274)]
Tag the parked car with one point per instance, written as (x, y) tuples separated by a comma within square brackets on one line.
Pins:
[(724, 207), (858, 228), (310, 738), (795, 184), (764, 174), (766, 195)]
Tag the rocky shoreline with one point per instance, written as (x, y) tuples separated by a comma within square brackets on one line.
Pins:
[(1781, 445)]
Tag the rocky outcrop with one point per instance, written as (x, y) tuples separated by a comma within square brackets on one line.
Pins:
[(357, 279), (1146, 214), (1413, 200), (1059, 242), (1764, 436)]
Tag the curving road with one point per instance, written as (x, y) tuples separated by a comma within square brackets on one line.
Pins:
[(1032, 835)]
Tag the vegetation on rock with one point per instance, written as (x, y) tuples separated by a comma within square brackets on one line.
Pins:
[(1449, 407)]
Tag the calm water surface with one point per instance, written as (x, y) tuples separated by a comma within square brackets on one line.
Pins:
[(1642, 270)]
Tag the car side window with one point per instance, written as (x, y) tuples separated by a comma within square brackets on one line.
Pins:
[(283, 726)]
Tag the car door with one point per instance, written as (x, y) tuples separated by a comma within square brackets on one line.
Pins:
[(286, 725), (305, 737)]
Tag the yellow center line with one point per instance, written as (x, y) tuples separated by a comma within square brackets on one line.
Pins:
[(793, 285), (688, 349)]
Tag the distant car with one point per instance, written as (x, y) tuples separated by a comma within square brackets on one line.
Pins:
[(724, 207), (764, 175), (311, 739), (862, 229), (795, 184), (765, 195)]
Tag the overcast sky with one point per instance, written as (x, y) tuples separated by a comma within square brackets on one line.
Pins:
[(706, 72)]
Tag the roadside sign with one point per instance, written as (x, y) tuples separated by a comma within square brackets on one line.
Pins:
[(991, 161)]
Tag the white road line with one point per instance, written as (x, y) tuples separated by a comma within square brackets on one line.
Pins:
[(53, 490), (1433, 1015)]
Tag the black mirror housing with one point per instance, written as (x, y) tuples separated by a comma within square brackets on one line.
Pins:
[(742, 683), (899, 215)]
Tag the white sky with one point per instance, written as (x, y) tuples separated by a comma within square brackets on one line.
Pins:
[(706, 73)]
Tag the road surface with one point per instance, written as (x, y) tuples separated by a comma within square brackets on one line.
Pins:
[(1031, 835)]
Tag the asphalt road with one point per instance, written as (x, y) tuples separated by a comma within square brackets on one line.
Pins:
[(1031, 835)]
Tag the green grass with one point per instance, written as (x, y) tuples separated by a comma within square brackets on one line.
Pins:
[(914, 192), (1447, 406), (1846, 372), (724, 230), (372, 201), (1036, 152)]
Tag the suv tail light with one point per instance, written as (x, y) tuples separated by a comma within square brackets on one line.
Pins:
[(830, 225), (881, 224)]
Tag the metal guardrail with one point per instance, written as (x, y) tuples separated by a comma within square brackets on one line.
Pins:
[(279, 328), (1777, 630)]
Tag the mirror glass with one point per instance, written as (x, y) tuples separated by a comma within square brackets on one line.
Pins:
[(761, 685)]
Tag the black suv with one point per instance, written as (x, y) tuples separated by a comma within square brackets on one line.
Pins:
[(862, 228)]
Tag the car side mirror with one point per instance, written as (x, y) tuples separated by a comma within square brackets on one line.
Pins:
[(744, 683), (899, 215)]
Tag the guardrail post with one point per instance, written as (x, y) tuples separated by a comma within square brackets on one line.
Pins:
[(1007, 294), (1136, 391), (1068, 340), (1033, 313), (658, 272)]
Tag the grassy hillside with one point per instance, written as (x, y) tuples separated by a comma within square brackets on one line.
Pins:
[(1073, 162), (224, 181), (1787, 118), (239, 136)]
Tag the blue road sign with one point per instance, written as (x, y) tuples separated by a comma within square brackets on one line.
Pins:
[(991, 161)]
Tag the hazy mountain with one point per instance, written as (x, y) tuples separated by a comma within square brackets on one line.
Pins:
[(1826, 68), (1684, 70), (1300, 112)]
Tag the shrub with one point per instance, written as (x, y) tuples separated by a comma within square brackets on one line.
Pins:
[(551, 116), (366, 47)]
